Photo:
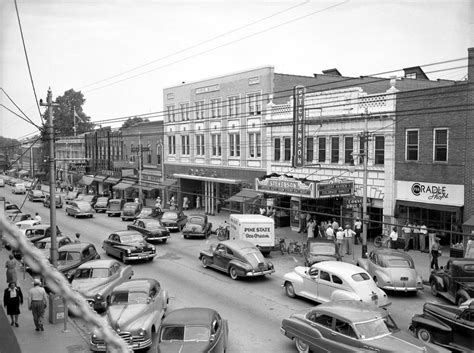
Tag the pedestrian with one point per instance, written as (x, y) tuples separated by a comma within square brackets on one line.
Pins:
[(435, 253), (172, 203), (302, 222), (406, 230), (37, 217), (37, 303), (335, 225), (423, 234), (158, 203), (339, 241), (11, 269), (185, 203), (415, 232), (358, 230), (310, 227), (393, 238), (322, 229), (262, 210), (77, 240), (330, 232), (198, 202), (12, 299), (349, 236)]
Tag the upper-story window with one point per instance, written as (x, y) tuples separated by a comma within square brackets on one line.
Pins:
[(199, 110), (184, 111), (379, 151), (321, 149), (170, 113), (277, 149), (255, 144), (334, 149), (215, 108), (234, 145), (440, 145), (172, 144), (216, 145), (185, 148), (233, 103), (412, 143), (348, 149), (309, 149), (254, 101), (287, 142), (200, 145)]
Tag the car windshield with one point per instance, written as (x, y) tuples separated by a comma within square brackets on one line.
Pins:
[(322, 249), (88, 198), (102, 200), (185, 333), (397, 262), (126, 297), (115, 205), (376, 328), (92, 273), (130, 206), (253, 256), (69, 256), (359, 277), (196, 220), (132, 238), (170, 215)]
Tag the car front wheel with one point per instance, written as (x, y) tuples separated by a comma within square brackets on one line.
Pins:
[(301, 345), (204, 261), (233, 273), (434, 290), (290, 290), (424, 334)]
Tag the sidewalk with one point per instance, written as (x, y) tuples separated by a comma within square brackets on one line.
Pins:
[(53, 339)]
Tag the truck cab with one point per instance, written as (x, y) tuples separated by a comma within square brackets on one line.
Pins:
[(455, 281)]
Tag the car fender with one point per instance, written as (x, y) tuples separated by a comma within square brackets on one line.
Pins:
[(239, 265), (343, 295), (421, 320), (439, 282), (293, 278), (462, 292), (294, 327), (382, 277)]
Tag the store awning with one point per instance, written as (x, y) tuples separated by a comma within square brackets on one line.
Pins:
[(100, 178), (208, 178), (123, 186), (147, 186), (86, 180), (244, 196), (429, 206), (111, 180)]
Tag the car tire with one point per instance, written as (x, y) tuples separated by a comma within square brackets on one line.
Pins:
[(461, 299), (301, 345), (290, 290), (164, 240), (233, 273), (434, 290), (204, 262), (423, 334)]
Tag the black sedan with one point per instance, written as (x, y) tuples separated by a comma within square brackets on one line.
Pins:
[(73, 255), (320, 250), (128, 245), (197, 225), (152, 229), (174, 220), (238, 258), (150, 212), (193, 330)]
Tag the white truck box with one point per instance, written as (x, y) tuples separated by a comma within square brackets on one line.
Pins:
[(257, 229)]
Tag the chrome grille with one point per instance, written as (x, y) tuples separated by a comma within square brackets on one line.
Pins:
[(126, 336)]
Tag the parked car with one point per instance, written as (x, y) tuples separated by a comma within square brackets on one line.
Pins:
[(36, 195), (131, 210), (114, 207), (136, 310), (2, 183), (455, 281), (174, 220), (333, 280), (197, 329), (28, 185), (12, 181), (24, 225), (392, 270), (446, 325), (40, 231), (79, 209), (17, 216), (91, 199), (197, 225), (318, 250), (101, 204), (152, 229), (19, 188), (57, 198), (96, 279), (150, 212), (71, 195), (73, 255), (45, 244), (238, 258), (128, 245), (349, 326)]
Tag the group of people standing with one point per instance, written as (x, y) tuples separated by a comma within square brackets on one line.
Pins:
[(422, 239)]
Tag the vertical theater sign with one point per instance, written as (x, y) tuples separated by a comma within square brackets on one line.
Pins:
[(298, 126)]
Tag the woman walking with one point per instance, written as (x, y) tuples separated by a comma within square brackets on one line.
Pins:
[(11, 269), (12, 299)]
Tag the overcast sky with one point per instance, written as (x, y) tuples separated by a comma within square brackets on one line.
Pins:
[(122, 53)]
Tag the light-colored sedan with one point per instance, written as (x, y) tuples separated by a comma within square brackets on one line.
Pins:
[(333, 281), (135, 312), (96, 279), (79, 209), (392, 270)]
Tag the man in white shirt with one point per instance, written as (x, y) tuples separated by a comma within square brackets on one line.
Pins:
[(349, 235), (339, 240), (330, 232), (393, 238), (358, 230), (37, 217), (406, 230)]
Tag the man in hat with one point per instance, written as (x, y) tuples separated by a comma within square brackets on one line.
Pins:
[(358, 230), (37, 303), (339, 240), (435, 250)]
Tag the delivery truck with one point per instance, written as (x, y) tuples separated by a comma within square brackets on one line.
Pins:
[(257, 229)]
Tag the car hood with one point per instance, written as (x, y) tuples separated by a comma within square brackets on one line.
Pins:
[(88, 287), (183, 347), (399, 342), (314, 258), (141, 245), (127, 317)]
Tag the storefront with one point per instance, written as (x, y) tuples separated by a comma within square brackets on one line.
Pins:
[(124, 190), (245, 201), (86, 183), (438, 206)]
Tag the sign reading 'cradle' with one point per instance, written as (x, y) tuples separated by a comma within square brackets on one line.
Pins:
[(445, 194)]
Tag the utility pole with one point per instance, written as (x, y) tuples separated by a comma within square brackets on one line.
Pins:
[(140, 159), (52, 177), (365, 219)]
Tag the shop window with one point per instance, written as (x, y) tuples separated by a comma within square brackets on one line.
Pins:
[(287, 148), (440, 145), (348, 149), (309, 149), (334, 149), (411, 148), (379, 150), (321, 149), (276, 149)]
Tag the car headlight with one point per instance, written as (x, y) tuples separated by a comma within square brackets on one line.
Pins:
[(99, 297), (129, 251), (141, 332)]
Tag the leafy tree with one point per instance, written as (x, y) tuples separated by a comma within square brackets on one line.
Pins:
[(133, 121)]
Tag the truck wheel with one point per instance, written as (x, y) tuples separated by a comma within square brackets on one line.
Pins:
[(424, 334), (290, 290), (434, 290), (233, 273)]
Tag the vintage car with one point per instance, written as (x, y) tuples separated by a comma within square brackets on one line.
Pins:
[(57, 198), (79, 209), (193, 330), (36, 195), (446, 325), (152, 229), (19, 188), (101, 204), (114, 207), (24, 225), (28, 185), (130, 211), (128, 245), (135, 312), (17, 216), (197, 225), (455, 281), (150, 212), (392, 270), (349, 326), (238, 258), (96, 279), (174, 220), (318, 250), (40, 231), (73, 255), (89, 198), (45, 244), (332, 281), (71, 196)]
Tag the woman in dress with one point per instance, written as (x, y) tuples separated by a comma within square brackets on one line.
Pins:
[(11, 269), (12, 299)]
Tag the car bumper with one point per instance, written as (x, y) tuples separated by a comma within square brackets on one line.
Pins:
[(157, 237), (84, 214), (259, 273), (171, 227), (101, 347), (403, 288), (144, 256)]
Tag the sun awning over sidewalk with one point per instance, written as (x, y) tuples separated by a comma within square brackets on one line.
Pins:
[(245, 196)]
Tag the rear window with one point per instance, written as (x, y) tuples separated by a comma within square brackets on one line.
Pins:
[(359, 277)]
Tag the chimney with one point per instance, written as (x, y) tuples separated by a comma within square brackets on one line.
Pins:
[(332, 72)]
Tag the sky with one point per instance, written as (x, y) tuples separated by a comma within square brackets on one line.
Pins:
[(121, 54)]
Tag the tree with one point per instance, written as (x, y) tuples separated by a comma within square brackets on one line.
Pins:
[(63, 114), (133, 121)]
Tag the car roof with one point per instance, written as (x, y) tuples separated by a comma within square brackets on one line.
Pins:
[(80, 202), (197, 215), (75, 246), (106, 263), (392, 253), (126, 232), (148, 220), (351, 310), (137, 284), (341, 268), (189, 316), (27, 221)]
